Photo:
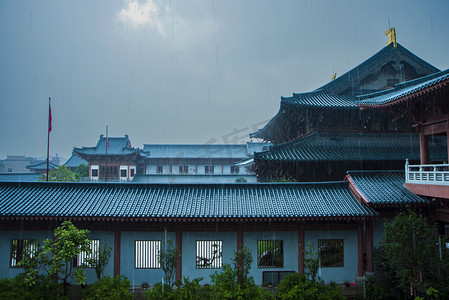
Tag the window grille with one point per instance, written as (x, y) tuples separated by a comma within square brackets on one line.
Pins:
[(159, 169), (146, 254), (331, 253), (235, 169), (270, 254), (209, 169), (183, 169), (209, 254), (82, 259), (21, 249)]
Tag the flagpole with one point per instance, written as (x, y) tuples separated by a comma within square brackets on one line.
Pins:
[(107, 141), (48, 133)]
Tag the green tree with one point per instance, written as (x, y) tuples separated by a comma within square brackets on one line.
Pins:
[(168, 258), (311, 261), (234, 281), (81, 171), (56, 255), (62, 173), (99, 260), (413, 256)]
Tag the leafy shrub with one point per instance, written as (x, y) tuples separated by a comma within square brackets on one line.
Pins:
[(17, 288), (106, 288), (184, 290), (159, 293), (297, 286), (234, 281)]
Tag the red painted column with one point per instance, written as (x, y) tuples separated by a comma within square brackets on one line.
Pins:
[(369, 246), (360, 249), (239, 238), (179, 247), (117, 246), (424, 148), (301, 249)]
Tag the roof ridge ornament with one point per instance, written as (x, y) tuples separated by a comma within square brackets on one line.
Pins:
[(391, 33)]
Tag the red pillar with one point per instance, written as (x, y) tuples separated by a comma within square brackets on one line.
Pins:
[(301, 249), (360, 249), (424, 148), (179, 247), (369, 246), (117, 245)]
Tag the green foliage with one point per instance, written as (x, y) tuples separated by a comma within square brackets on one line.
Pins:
[(168, 258), (99, 260), (409, 254), (234, 281), (62, 173), (185, 290), (108, 288), (410, 251), (17, 288), (241, 180), (311, 261), (56, 255), (81, 171), (297, 286)]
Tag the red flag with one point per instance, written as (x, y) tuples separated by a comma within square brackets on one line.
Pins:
[(49, 117)]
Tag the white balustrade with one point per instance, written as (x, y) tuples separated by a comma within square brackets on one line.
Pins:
[(427, 174)]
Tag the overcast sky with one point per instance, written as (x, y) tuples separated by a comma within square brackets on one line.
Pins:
[(197, 71)]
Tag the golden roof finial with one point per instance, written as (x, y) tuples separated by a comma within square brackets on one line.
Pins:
[(334, 76), (391, 33)]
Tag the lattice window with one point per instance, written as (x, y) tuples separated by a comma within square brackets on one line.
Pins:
[(146, 254), (331, 253), (21, 249), (209, 254), (235, 169), (209, 169), (82, 259), (270, 254), (183, 169)]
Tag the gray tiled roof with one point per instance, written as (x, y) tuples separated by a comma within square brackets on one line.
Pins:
[(345, 80), (320, 99), (41, 165), (336, 146), (74, 161), (403, 89), (384, 187), (117, 146), (299, 200), (236, 151)]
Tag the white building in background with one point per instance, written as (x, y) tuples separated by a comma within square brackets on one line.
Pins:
[(170, 163), (199, 163)]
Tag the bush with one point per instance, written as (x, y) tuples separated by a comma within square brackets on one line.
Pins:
[(17, 288), (297, 286), (185, 290), (116, 288)]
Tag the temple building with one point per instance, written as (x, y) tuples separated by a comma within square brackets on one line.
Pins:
[(373, 141)]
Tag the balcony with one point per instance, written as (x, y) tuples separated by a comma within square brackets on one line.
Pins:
[(427, 174), (428, 180)]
